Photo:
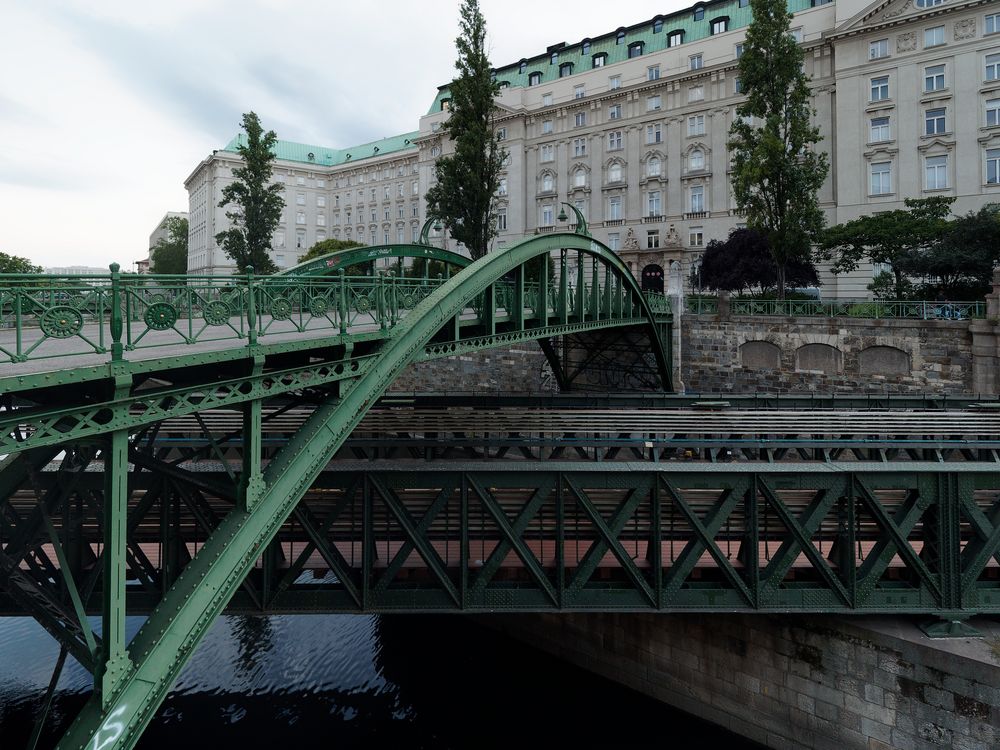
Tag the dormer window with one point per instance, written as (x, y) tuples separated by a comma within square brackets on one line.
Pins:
[(657, 25), (620, 37), (523, 66), (720, 25), (554, 59), (585, 47), (534, 78), (699, 14), (566, 69), (675, 38), (635, 49), (600, 59), (445, 105)]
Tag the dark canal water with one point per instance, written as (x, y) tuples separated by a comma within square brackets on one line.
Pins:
[(304, 682)]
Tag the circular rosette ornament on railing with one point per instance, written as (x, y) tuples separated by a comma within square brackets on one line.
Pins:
[(363, 305), (157, 297), (319, 306), (408, 301), (216, 313), (61, 322), (281, 309), (160, 316)]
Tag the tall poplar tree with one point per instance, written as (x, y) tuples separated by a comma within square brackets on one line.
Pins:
[(464, 198), (256, 203), (776, 173)]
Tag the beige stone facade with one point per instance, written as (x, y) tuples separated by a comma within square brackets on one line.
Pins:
[(907, 99)]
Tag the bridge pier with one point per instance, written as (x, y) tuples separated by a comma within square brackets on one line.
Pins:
[(821, 683)]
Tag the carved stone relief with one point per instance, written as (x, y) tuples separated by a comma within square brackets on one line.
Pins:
[(965, 29), (906, 42)]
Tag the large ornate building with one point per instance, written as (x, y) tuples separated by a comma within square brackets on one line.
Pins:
[(631, 127)]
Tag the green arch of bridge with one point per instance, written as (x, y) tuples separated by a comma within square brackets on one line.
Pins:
[(333, 262), (170, 635)]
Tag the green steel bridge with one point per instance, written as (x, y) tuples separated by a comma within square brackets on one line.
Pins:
[(180, 446)]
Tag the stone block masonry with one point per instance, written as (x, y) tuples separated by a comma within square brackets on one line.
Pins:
[(822, 683), (767, 354), (519, 369)]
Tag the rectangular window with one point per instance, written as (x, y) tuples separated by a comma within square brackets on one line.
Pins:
[(400, 235), (502, 187), (615, 112), (579, 91), (695, 62), (548, 152), (615, 206), (653, 73), (546, 100), (653, 103), (579, 119), (696, 125), (501, 219), (653, 203), (697, 199), (934, 78), (654, 133), (501, 134), (614, 240), (300, 180), (675, 38), (321, 201), (737, 86), (936, 172), (992, 67), (300, 199), (300, 240), (878, 49), (881, 178), (415, 188), (696, 237), (880, 129), (992, 112), (300, 217), (652, 239), (320, 220), (614, 140), (796, 34), (739, 50), (546, 126), (880, 89), (934, 121), (993, 166), (579, 147), (416, 211), (934, 36), (385, 192), (992, 25), (615, 82), (321, 183), (720, 26)]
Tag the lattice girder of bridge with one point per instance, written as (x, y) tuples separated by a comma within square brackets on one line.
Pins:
[(247, 340)]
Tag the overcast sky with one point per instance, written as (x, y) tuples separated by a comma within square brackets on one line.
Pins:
[(106, 107)]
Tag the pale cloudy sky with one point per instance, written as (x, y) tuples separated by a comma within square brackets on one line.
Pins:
[(106, 106)]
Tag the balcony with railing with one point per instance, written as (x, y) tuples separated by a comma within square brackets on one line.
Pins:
[(652, 219)]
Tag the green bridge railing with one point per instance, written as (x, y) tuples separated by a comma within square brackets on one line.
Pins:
[(878, 310)]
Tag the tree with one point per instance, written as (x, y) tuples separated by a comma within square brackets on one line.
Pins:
[(776, 174), (16, 264), (325, 247), (888, 238), (962, 259), (464, 197), (257, 203), (744, 263), (170, 253)]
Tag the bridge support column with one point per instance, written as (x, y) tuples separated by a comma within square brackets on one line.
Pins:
[(251, 480), (115, 664)]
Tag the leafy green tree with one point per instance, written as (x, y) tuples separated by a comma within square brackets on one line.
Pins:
[(888, 238), (464, 197), (256, 202), (743, 262), (325, 247), (170, 253), (776, 173), (963, 259), (16, 264)]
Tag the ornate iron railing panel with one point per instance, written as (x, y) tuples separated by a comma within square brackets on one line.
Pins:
[(877, 310)]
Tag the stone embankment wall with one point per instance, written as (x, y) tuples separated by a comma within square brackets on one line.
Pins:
[(830, 355), (519, 369), (792, 682)]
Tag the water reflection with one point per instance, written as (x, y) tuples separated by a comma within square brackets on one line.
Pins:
[(417, 681)]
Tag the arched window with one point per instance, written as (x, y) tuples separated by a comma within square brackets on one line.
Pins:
[(657, 25), (620, 38), (585, 47), (699, 14), (635, 49), (523, 66), (566, 69), (580, 177), (653, 166), (696, 159), (554, 59), (615, 172), (547, 183)]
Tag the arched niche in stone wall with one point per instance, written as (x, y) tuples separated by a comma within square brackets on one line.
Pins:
[(819, 357), (760, 355), (883, 360)]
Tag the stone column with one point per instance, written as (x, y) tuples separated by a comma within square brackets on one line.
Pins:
[(675, 292), (986, 345)]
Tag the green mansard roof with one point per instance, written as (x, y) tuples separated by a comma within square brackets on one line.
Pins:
[(641, 32), (330, 157)]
